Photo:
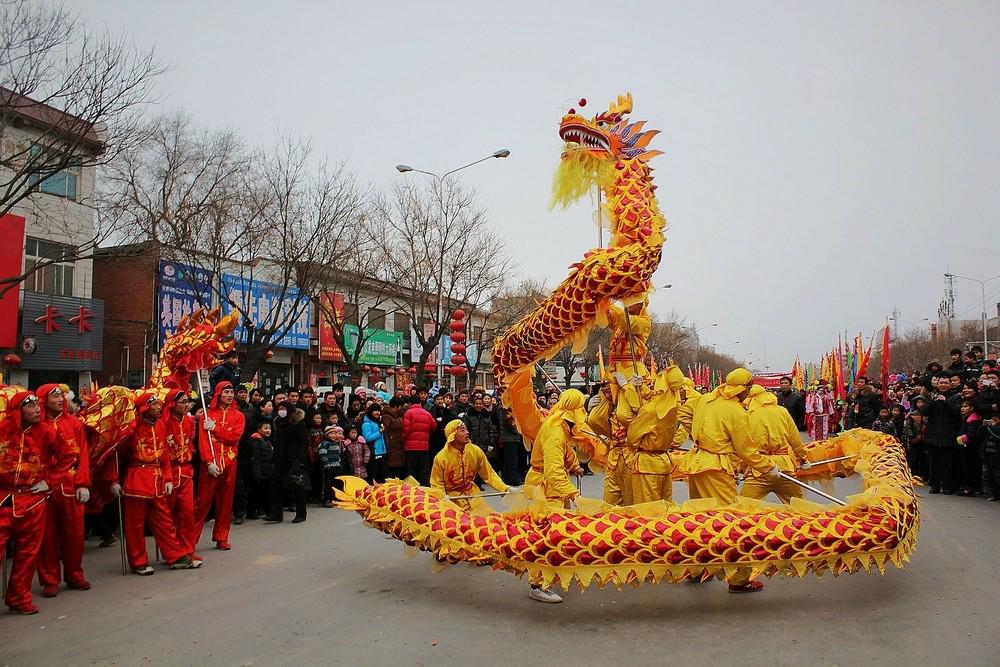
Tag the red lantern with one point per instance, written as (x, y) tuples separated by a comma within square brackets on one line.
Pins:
[(413, 369), (459, 314), (457, 337), (458, 371), (268, 354), (583, 374), (458, 359), (456, 326), (430, 367), (12, 359), (457, 348)]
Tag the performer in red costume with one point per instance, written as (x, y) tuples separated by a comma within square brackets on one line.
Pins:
[(179, 427), (27, 448), (218, 442), (148, 480), (64, 521)]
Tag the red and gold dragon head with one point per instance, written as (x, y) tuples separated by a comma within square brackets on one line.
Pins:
[(201, 340), (608, 135)]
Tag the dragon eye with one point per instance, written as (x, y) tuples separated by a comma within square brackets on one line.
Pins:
[(600, 123)]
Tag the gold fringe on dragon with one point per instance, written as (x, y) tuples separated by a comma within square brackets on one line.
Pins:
[(636, 431)]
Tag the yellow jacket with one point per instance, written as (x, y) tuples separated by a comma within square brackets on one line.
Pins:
[(721, 433), (552, 459), (454, 471), (774, 432)]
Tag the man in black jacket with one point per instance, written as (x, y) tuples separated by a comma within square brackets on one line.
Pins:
[(792, 401), (943, 418), (865, 404), (228, 370), (482, 428)]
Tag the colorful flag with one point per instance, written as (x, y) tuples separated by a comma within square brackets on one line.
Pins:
[(884, 374)]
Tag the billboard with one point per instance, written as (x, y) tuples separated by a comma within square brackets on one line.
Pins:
[(11, 263), (331, 307), (268, 305), (381, 348), (61, 332), (183, 289)]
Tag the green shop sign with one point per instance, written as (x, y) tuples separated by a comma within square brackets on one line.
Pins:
[(381, 348)]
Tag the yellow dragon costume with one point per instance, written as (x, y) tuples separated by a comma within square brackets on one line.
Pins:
[(604, 544)]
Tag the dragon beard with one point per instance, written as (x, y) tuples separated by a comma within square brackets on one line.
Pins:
[(579, 170)]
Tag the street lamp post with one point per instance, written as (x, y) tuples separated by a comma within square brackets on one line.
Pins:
[(982, 285), (405, 168)]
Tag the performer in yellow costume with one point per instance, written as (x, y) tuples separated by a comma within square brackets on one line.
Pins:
[(721, 434), (651, 418), (685, 413), (553, 461), (457, 464), (774, 432)]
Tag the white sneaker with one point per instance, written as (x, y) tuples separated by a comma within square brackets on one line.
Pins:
[(544, 595)]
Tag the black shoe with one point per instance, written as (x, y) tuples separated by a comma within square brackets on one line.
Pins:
[(252, 517), (274, 519), (239, 521), (298, 519), (994, 499), (934, 490), (948, 493)]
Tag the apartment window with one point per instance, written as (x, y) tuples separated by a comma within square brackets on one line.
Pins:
[(401, 322), (61, 184), (351, 313), (375, 318), (56, 274)]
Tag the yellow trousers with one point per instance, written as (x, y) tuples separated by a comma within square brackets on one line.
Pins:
[(651, 477), (720, 485), (618, 484), (758, 488)]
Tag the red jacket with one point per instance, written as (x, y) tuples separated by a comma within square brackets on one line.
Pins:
[(73, 467), (26, 458), (225, 437), (180, 445), (418, 424), (146, 461)]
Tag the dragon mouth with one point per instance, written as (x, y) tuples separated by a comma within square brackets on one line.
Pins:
[(584, 136)]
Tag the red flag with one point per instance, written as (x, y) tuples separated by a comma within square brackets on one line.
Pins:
[(884, 375)]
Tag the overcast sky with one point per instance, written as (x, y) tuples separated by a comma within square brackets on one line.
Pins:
[(824, 162)]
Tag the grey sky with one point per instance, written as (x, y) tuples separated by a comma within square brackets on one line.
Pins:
[(824, 162)]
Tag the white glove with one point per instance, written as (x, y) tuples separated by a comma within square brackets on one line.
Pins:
[(213, 470), (209, 424), (82, 495), (773, 472), (620, 379), (168, 487), (41, 487), (636, 380), (116, 489), (805, 465), (513, 489)]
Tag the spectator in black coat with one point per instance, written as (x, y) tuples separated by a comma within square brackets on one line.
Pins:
[(865, 403), (943, 420), (228, 370), (483, 429), (792, 401), (291, 439)]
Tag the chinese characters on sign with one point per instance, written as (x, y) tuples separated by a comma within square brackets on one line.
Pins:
[(269, 308), (381, 347), (68, 333), (331, 309), (183, 289)]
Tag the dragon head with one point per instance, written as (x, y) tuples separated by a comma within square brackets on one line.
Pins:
[(201, 340), (608, 135), (593, 147)]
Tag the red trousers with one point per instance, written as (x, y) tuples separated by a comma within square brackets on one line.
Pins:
[(219, 489), (26, 532), (137, 512), (63, 541), (181, 504)]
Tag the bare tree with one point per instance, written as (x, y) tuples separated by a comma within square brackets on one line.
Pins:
[(671, 338), (443, 254), (82, 93), (268, 221)]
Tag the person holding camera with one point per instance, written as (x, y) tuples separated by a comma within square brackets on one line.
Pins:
[(943, 418)]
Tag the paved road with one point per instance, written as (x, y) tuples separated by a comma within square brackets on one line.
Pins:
[(331, 591)]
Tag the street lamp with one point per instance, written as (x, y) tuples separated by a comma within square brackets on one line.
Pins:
[(405, 168), (725, 345), (697, 331), (982, 285)]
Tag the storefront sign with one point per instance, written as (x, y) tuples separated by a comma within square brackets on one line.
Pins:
[(270, 307), (331, 309), (381, 347), (183, 289), (11, 263), (61, 332)]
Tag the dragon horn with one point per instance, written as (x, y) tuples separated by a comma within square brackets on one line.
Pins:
[(213, 315), (197, 316)]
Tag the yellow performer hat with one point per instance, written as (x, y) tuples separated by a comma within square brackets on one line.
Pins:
[(669, 378), (570, 407), (451, 428), (736, 383), (759, 397)]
